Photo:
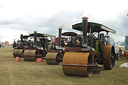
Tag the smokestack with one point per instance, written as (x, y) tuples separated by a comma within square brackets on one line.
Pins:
[(35, 38), (60, 32), (21, 37), (85, 28)]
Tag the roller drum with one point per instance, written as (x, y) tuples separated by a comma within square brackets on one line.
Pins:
[(18, 52), (51, 58), (77, 64), (29, 55)]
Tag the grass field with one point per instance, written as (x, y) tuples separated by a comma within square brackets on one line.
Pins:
[(32, 73)]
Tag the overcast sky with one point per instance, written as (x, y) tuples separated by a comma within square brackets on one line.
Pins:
[(46, 16)]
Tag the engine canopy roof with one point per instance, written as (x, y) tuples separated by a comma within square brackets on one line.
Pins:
[(42, 35), (95, 27)]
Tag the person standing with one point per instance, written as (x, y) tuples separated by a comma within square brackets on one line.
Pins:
[(120, 53), (3, 45), (0, 45)]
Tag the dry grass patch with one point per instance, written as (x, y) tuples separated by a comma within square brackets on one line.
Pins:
[(32, 73)]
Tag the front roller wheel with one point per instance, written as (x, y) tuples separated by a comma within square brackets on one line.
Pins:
[(17, 52), (51, 58), (29, 55), (77, 64), (109, 57)]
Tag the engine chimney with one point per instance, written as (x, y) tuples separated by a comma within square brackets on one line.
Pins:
[(60, 32), (35, 38), (21, 37), (85, 28)]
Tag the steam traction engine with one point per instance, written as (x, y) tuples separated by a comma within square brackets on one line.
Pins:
[(38, 48), (89, 50), (55, 56)]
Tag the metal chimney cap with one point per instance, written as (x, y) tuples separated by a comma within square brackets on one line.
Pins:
[(35, 31), (85, 18)]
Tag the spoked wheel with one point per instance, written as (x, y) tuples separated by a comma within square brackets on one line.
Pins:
[(109, 57)]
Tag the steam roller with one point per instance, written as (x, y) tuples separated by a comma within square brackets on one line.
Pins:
[(37, 49), (89, 50), (55, 56), (19, 48)]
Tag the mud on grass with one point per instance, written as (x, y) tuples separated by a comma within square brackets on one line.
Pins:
[(32, 73)]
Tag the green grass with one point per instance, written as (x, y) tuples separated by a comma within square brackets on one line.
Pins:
[(32, 73)]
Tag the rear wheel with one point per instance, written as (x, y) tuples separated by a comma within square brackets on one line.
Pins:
[(109, 57)]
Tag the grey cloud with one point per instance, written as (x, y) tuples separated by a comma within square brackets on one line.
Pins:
[(5, 22), (27, 23), (124, 25), (42, 24), (120, 25), (64, 18)]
